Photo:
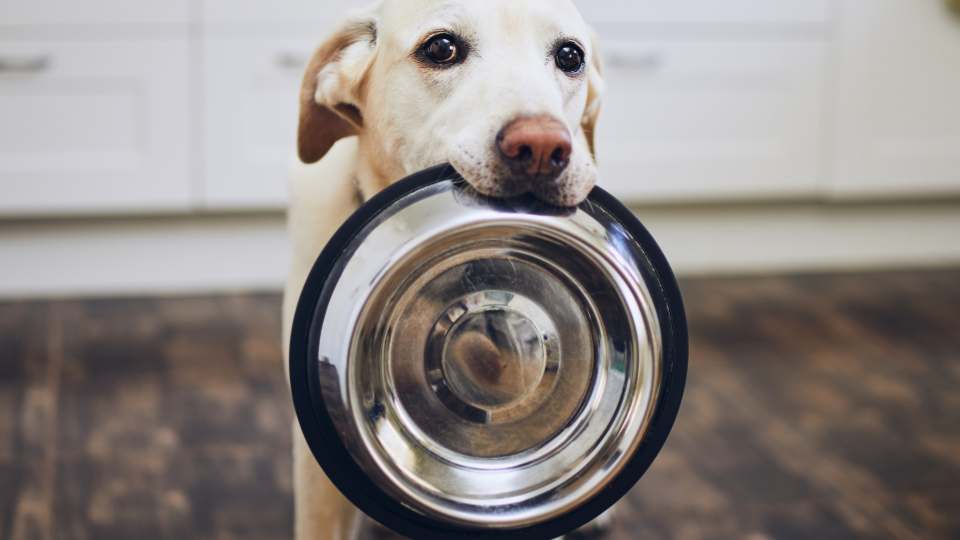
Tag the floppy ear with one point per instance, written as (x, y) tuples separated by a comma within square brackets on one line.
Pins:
[(595, 88), (332, 92)]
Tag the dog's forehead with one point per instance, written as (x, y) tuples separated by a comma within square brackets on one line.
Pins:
[(406, 20)]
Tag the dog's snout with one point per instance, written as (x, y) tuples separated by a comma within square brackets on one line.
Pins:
[(536, 146)]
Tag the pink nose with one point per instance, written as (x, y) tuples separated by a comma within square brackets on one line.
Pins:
[(536, 146)]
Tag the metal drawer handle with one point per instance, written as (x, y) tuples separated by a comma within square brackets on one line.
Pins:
[(24, 64), (290, 60), (647, 61)]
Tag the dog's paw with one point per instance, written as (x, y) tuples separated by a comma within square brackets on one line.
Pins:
[(371, 530), (595, 530), (598, 528)]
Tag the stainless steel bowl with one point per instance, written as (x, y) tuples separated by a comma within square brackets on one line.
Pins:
[(470, 367)]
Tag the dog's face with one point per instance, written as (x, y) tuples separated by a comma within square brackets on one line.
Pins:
[(505, 90)]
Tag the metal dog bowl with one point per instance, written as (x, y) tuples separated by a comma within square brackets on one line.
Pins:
[(464, 367)]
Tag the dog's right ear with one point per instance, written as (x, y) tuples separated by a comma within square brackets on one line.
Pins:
[(332, 95)]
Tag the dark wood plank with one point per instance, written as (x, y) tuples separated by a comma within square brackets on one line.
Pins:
[(32, 392), (818, 406)]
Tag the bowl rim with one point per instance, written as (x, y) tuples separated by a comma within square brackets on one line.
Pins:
[(336, 461)]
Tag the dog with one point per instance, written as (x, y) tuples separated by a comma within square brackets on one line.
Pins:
[(507, 91)]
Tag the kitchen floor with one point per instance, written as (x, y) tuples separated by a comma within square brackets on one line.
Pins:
[(822, 406)]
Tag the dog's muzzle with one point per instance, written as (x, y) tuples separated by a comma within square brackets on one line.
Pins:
[(470, 367)]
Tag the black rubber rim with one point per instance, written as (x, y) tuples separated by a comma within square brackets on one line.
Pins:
[(346, 475)]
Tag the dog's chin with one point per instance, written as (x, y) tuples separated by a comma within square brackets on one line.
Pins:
[(564, 192), (557, 192)]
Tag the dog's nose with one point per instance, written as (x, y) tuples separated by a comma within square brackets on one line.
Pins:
[(536, 146)]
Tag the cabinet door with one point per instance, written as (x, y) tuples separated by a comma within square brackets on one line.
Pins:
[(690, 121), (898, 109), (46, 12), (705, 11), (251, 92), (93, 127)]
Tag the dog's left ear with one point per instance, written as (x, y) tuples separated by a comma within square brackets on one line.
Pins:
[(332, 95), (595, 88)]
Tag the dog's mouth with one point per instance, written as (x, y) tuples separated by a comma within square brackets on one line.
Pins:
[(498, 182)]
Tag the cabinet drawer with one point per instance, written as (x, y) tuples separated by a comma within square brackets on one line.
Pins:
[(292, 11), (44, 12), (898, 100), (251, 92), (91, 127), (705, 11), (700, 121)]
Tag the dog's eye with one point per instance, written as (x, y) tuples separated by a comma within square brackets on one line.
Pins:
[(442, 49), (569, 58)]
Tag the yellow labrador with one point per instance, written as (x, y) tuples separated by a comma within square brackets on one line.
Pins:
[(505, 90)]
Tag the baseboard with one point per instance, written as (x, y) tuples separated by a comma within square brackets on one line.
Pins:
[(779, 238), (203, 254), (162, 255)]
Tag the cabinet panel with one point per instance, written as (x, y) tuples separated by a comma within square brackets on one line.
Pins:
[(706, 11), (251, 91), (699, 121), (92, 127), (898, 111), (46, 12), (293, 11)]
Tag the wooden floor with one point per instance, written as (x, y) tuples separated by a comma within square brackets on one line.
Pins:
[(818, 407)]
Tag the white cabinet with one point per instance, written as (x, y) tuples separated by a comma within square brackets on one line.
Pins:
[(56, 12), (94, 126), (898, 99), (111, 106), (712, 120), (250, 104)]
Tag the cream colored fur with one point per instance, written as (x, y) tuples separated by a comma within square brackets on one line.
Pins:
[(371, 114)]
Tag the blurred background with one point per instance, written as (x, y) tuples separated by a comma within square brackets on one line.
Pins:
[(798, 160)]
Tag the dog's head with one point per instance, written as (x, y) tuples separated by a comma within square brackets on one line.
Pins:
[(505, 90)]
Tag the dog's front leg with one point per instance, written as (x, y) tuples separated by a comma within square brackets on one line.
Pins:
[(322, 513), (322, 197)]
